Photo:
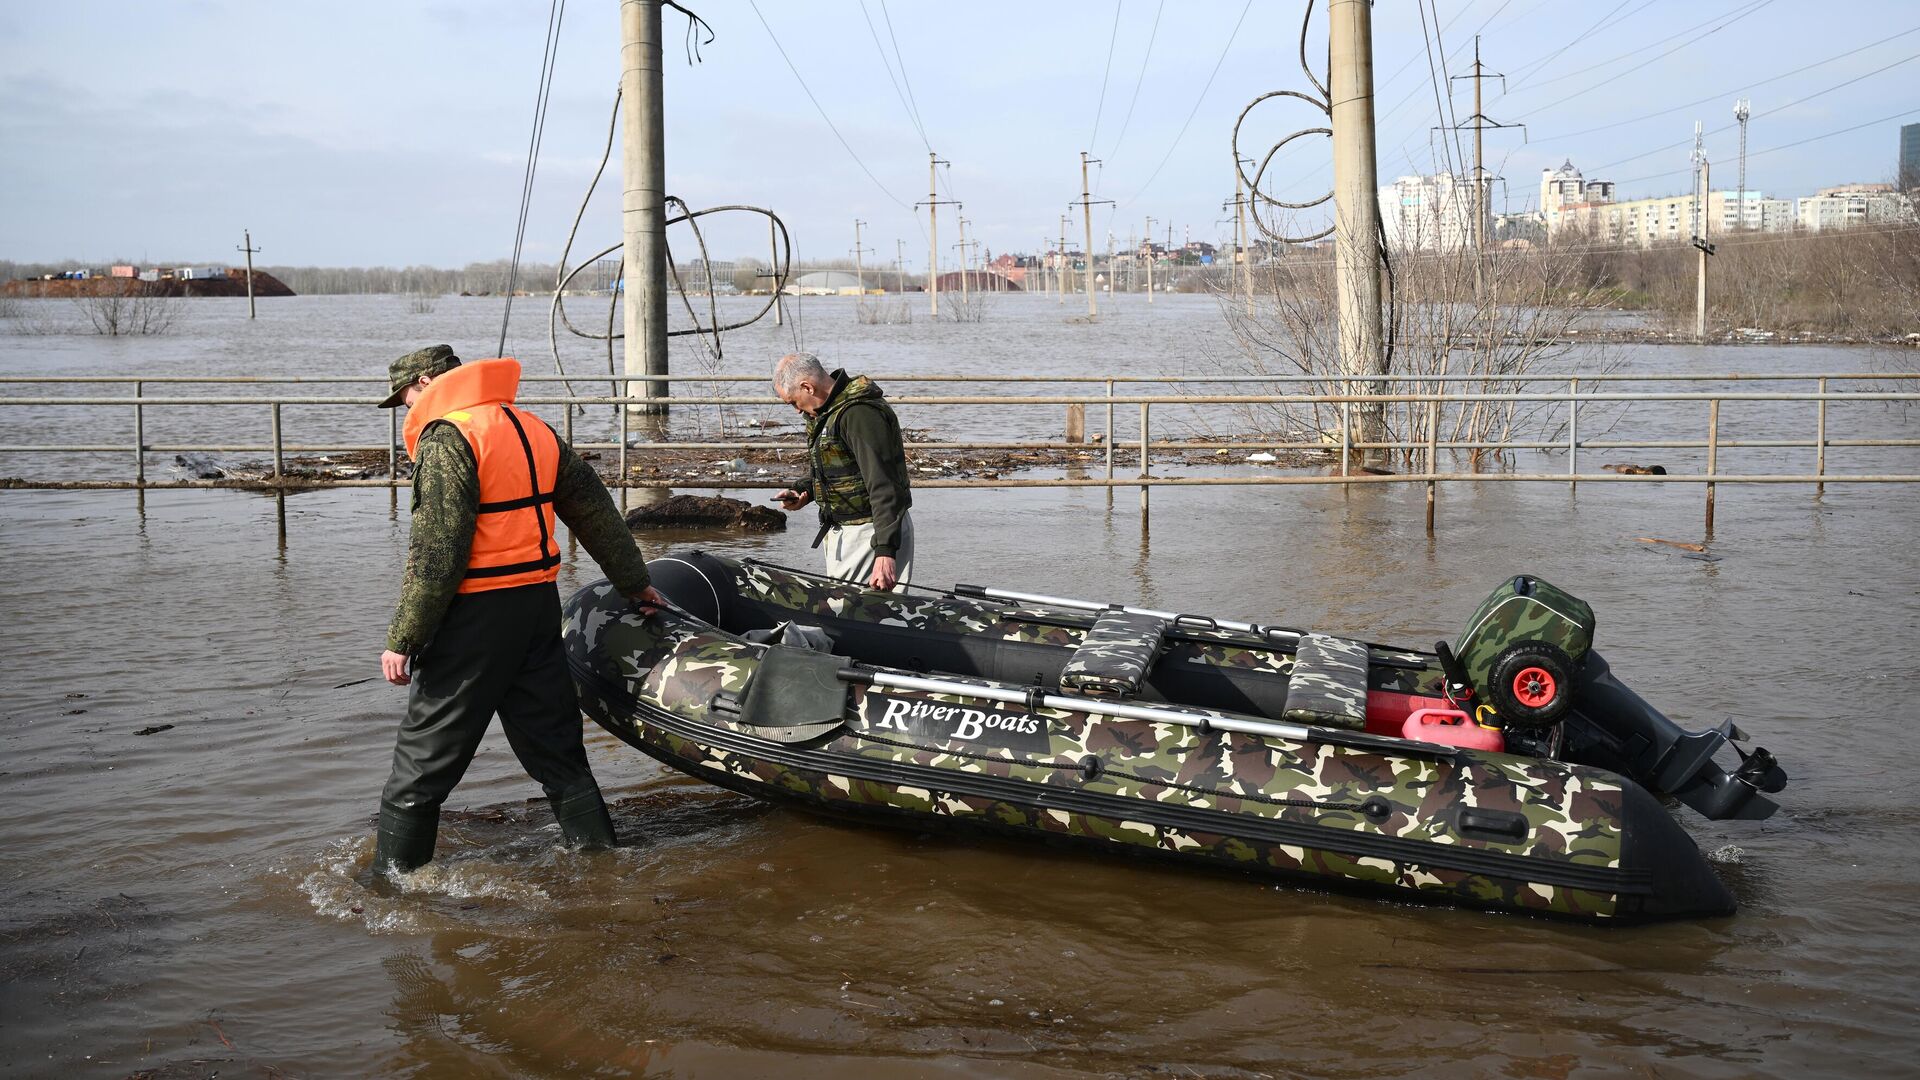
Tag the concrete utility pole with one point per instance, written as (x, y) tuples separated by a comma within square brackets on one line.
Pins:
[(859, 275), (1240, 236), (1087, 202), (1060, 263), (773, 269), (1742, 109), (964, 263), (1356, 192), (1149, 259), (246, 245), (643, 207), (900, 264), (1703, 233), (933, 205)]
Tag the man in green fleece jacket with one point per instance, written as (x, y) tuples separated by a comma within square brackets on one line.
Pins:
[(857, 472), (467, 655)]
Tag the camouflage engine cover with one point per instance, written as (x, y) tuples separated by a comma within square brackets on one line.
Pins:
[(1524, 608), (1483, 830)]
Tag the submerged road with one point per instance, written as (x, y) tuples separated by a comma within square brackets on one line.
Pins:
[(189, 896), (192, 743)]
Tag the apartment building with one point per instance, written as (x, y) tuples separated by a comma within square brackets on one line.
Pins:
[(1848, 205)]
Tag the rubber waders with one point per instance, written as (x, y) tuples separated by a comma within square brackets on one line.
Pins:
[(405, 839), (583, 817)]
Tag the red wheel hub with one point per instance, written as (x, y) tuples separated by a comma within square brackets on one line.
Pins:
[(1534, 687)]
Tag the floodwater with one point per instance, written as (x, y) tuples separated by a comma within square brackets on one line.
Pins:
[(186, 901)]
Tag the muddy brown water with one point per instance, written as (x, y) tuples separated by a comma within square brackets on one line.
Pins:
[(187, 901)]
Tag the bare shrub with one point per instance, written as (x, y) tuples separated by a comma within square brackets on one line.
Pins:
[(1862, 282), (884, 313), (128, 309), (421, 303), (970, 308)]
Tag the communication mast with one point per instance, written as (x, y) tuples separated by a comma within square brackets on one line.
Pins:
[(1742, 110)]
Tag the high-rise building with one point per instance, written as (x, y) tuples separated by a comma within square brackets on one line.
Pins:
[(1910, 157), (1428, 213), (1564, 188)]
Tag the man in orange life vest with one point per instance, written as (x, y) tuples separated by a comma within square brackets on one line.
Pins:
[(477, 628)]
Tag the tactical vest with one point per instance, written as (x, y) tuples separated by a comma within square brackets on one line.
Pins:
[(837, 487), (518, 461)]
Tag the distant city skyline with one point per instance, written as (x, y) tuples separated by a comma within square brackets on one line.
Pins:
[(364, 134)]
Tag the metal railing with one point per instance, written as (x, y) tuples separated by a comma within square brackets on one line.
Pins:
[(1578, 390)]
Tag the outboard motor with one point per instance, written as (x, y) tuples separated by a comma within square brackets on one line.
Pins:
[(1527, 656)]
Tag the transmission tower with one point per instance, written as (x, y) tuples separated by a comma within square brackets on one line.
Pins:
[(1482, 180), (1742, 110)]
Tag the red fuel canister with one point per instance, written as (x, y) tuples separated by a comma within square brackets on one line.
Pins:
[(1451, 727)]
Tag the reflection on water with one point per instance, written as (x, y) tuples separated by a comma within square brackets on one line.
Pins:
[(194, 895)]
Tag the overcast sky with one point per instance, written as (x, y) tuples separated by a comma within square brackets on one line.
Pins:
[(352, 133)]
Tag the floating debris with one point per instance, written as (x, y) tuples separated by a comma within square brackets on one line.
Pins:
[(1681, 544)]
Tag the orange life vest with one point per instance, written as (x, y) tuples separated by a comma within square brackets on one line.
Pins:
[(518, 457)]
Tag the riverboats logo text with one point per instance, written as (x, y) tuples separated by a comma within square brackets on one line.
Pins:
[(943, 722)]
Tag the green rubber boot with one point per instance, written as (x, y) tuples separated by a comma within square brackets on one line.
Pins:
[(584, 820), (406, 837)]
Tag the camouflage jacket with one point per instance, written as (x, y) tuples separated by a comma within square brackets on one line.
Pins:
[(446, 491), (858, 462)]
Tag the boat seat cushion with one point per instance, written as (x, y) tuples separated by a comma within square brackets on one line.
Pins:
[(1328, 686), (1114, 656)]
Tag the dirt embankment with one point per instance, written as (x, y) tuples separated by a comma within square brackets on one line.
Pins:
[(234, 284)]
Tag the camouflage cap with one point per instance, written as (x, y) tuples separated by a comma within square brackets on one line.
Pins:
[(405, 371)]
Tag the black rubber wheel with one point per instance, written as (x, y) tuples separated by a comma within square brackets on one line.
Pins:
[(1531, 685)]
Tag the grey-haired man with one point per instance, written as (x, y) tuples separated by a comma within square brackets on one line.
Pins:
[(857, 472)]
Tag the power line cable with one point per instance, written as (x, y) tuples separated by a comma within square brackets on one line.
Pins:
[(1452, 117), (1446, 147), (1527, 69), (1382, 118), (1141, 78), (556, 11), (1640, 50), (1736, 89), (1785, 146), (1758, 115), (1104, 72), (902, 61), (1643, 63), (823, 113), (912, 117), (1380, 87), (1196, 105)]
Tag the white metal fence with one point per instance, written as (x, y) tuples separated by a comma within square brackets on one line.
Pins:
[(125, 411)]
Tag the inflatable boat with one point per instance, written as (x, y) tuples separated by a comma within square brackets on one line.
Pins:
[(1506, 769)]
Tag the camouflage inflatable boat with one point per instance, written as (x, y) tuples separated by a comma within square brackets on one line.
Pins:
[(1507, 769)]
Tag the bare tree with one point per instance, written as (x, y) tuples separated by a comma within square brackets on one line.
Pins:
[(1525, 329)]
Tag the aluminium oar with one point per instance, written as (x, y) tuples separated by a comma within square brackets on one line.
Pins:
[(1204, 720)]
